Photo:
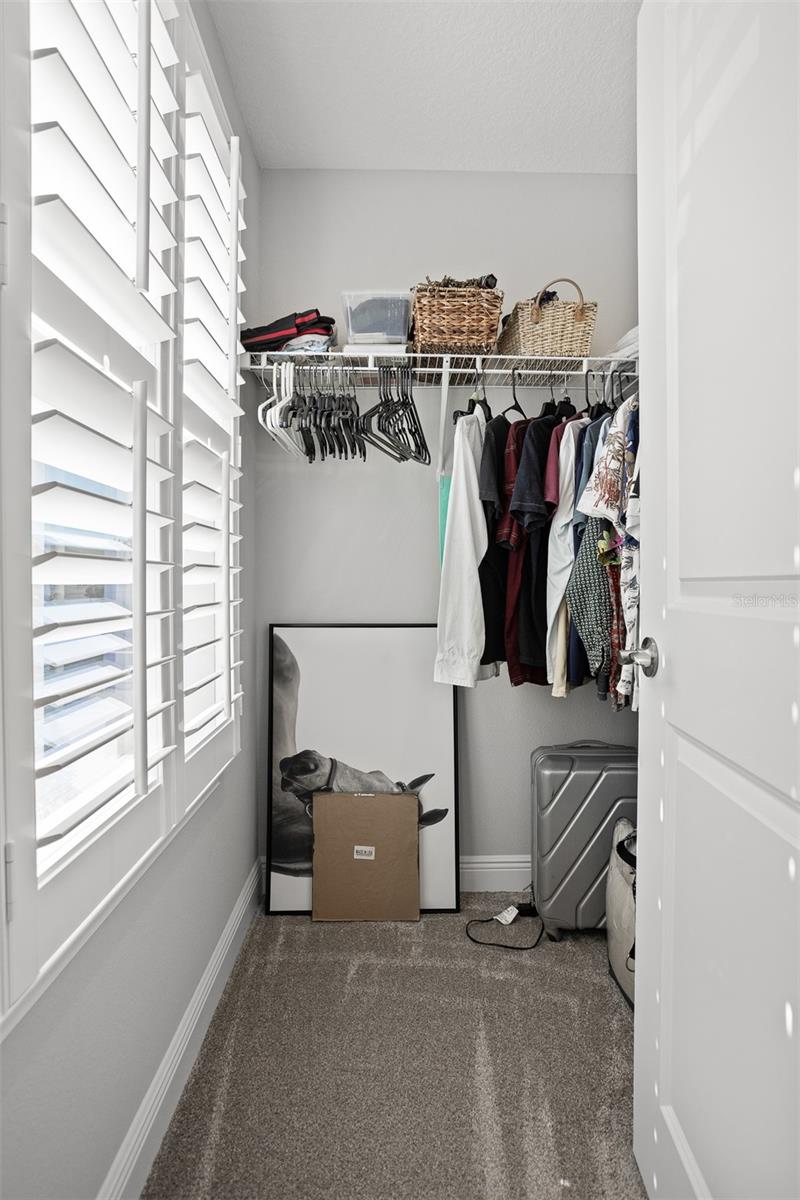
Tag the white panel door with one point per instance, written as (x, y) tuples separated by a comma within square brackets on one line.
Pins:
[(717, 1069)]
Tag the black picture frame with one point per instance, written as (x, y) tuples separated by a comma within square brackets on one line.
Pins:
[(276, 625)]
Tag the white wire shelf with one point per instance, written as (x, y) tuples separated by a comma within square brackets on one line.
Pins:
[(497, 370)]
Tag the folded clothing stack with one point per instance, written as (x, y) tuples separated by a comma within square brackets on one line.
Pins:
[(297, 331)]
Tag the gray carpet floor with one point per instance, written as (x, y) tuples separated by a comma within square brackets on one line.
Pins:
[(401, 1062)]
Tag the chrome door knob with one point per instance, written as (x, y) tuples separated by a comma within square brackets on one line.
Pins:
[(644, 656)]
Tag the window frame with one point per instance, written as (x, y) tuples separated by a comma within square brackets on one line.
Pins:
[(53, 913)]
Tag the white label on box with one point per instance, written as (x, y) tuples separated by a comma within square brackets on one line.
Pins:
[(367, 852)]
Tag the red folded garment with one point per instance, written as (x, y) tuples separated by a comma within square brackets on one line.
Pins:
[(286, 328), (275, 335), (252, 337)]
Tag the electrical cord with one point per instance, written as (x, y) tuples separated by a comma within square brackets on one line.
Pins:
[(523, 910)]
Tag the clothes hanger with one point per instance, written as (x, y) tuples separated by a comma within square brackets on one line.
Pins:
[(469, 410), (338, 419), (600, 406), (515, 405), (422, 453), (399, 422), (353, 413), (586, 402), (330, 422), (262, 412), (565, 407), (549, 406), (270, 416), (482, 403), (299, 411), (375, 436), (475, 400), (634, 389)]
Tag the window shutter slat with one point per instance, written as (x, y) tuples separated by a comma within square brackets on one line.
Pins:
[(203, 464), (76, 792), (63, 569), (169, 9), (198, 100), (200, 225), (80, 749), (78, 683), (162, 41), (62, 653), (199, 141), (200, 345), (199, 183), (70, 251), (201, 386), (58, 309), (69, 445), (199, 264), (78, 388), (199, 304), (57, 634)]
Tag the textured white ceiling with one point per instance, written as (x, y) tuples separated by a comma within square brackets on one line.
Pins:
[(481, 85)]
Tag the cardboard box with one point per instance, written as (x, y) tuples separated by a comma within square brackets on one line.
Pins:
[(366, 857)]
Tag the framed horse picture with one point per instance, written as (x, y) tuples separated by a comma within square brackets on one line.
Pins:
[(354, 709)]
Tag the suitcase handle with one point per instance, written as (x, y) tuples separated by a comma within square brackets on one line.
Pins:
[(627, 856), (594, 743)]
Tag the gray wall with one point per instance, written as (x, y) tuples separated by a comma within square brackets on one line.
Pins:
[(76, 1067), (359, 542)]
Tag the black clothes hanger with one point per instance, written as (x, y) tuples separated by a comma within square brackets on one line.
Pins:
[(400, 422), (329, 418), (549, 406), (475, 401), (632, 377), (350, 416), (599, 408), (617, 377), (413, 424), (296, 416), (373, 436), (565, 407), (341, 418), (515, 405), (483, 403)]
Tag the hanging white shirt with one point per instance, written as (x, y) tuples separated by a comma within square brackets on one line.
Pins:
[(561, 544), (461, 633)]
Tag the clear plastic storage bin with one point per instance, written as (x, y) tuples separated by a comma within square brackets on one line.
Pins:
[(376, 317)]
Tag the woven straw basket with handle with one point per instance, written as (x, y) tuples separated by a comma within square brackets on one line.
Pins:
[(562, 328)]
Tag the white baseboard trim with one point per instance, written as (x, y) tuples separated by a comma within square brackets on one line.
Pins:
[(478, 872), (131, 1166), (495, 872)]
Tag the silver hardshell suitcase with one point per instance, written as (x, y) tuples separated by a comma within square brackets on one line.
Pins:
[(579, 793)]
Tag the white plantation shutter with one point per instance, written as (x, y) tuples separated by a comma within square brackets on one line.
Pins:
[(211, 589), (102, 536), (119, 489)]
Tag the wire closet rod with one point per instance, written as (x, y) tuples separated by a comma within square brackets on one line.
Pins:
[(461, 369)]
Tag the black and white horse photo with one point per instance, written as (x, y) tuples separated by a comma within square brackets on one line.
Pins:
[(298, 775)]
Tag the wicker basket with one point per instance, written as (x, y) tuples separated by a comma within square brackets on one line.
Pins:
[(562, 328), (450, 320)]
